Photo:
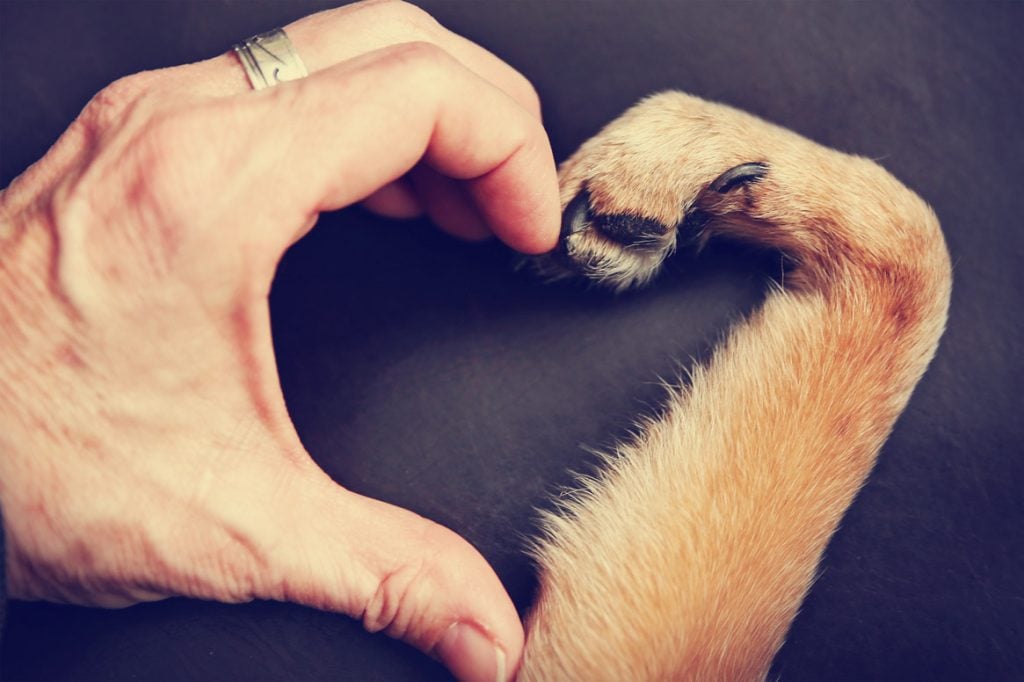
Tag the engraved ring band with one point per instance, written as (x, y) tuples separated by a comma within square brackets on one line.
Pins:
[(270, 58)]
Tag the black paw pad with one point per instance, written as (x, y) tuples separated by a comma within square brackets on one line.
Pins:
[(630, 230)]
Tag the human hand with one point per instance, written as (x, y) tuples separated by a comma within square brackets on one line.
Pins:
[(147, 450)]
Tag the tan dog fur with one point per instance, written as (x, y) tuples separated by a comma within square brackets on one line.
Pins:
[(689, 557)]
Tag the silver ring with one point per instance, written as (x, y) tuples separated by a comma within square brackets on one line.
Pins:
[(270, 58)]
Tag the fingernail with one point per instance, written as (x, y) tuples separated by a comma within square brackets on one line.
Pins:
[(471, 655)]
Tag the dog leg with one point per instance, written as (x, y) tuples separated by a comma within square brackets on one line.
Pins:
[(689, 557)]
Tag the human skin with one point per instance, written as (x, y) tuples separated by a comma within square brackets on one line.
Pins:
[(147, 450)]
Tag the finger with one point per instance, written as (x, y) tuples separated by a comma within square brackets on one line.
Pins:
[(448, 204), (395, 200), (336, 35), (398, 573), (402, 104)]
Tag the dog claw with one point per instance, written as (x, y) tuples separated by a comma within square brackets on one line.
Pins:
[(740, 175), (576, 215)]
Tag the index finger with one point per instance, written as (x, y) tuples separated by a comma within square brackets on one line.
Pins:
[(350, 129), (333, 36)]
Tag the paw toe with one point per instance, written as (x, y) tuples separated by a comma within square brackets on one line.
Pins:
[(625, 229)]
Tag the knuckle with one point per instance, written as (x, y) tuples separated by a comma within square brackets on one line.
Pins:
[(406, 602), (134, 200), (415, 20), (421, 60), (529, 95), (397, 602), (153, 166), (521, 131), (171, 141), (171, 161), (117, 100)]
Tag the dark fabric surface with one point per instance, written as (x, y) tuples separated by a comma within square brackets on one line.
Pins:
[(3, 584), (428, 373)]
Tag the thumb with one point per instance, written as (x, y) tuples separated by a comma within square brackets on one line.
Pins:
[(398, 573), (329, 548)]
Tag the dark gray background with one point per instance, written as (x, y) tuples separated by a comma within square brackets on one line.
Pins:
[(428, 373)]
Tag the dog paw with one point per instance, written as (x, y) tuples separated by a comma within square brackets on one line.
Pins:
[(622, 250), (652, 180)]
